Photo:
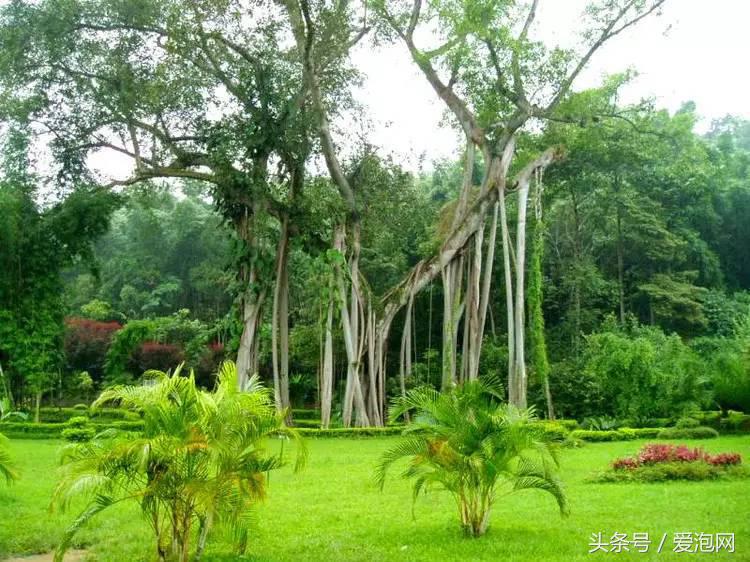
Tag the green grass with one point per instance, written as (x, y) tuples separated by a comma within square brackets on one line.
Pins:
[(332, 511)]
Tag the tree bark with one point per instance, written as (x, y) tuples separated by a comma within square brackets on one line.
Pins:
[(519, 310), (620, 265), (353, 396), (512, 384), (280, 323), (326, 378)]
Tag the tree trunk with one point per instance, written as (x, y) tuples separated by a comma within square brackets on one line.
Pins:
[(353, 396), (519, 318), (280, 323), (620, 265), (406, 349), (37, 405), (519, 325), (326, 377), (251, 306), (247, 360), (512, 384)]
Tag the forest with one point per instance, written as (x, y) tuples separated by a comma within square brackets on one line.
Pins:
[(198, 237)]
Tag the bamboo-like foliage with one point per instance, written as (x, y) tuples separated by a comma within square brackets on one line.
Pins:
[(470, 443), (200, 462)]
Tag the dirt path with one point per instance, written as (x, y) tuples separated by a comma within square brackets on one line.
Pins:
[(70, 556)]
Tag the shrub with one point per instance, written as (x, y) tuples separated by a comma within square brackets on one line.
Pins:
[(80, 407), (86, 344), (699, 432), (646, 432), (725, 459), (625, 463), (735, 422), (601, 423), (157, 356), (643, 373), (7, 468), (78, 434), (78, 422), (598, 436), (554, 431), (711, 418), (670, 471), (570, 425), (663, 461), (469, 442), (687, 423)]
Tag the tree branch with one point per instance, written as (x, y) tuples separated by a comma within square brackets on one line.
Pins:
[(609, 31)]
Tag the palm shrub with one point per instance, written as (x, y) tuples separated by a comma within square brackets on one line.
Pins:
[(7, 468), (468, 442), (200, 462)]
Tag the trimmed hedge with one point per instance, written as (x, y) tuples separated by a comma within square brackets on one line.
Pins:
[(352, 431), (305, 414), (735, 422), (62, 415), (595, 436), (26, 430), (700, 432), (570, 425), (554, 431), (622, 434), (78, 434), (313, 424)]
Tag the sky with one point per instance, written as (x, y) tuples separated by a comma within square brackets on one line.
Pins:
[(697, 50)]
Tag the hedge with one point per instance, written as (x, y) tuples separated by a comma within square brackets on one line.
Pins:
[(701, 432), (305, 414), (735, 422), (352, 431), (300, 423), (622, 434), (27, 430), (62, 415), (570, 425)]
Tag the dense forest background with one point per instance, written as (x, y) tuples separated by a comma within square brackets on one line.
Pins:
[(642, 256)]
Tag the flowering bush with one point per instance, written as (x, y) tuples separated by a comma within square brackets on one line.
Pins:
[(625, 463), (86, 344), (725, 459), (655, 453), (155, 355)]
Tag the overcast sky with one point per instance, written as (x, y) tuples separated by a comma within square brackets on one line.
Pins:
[(696, 50)]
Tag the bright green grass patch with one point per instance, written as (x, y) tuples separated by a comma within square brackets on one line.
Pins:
[(333, 512)]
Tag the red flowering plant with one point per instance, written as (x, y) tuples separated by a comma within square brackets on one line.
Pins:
[(655, 453), (725, 459)]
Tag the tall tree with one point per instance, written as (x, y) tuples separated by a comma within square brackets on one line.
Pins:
[(498, 79), (36, 243)]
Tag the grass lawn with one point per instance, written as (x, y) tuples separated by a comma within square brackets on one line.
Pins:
[(333, 512)]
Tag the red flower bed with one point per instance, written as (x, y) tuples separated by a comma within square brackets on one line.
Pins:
[(654, 453), (725, 459)]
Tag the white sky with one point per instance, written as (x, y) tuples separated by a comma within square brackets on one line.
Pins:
[(703, 57), (697, 50)]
